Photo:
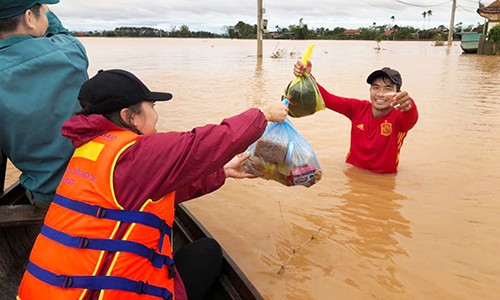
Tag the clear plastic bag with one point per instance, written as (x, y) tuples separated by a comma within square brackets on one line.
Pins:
[(283, 155), (303, 93)]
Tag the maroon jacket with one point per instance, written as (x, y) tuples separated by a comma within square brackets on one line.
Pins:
[(189, 163)]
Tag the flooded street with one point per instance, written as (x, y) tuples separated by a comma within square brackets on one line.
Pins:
[(431, 231)]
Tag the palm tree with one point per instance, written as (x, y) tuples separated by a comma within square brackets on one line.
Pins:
[(429, 14), (425, 15)]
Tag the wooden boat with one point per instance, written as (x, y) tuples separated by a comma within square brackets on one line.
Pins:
[(20, 223), (470, 41)]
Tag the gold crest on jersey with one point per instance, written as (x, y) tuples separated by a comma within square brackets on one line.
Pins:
[(386, 129)]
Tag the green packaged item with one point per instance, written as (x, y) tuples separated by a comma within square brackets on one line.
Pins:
[(303, 93)]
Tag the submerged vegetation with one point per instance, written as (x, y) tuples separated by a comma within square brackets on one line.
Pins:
[(438, 40)]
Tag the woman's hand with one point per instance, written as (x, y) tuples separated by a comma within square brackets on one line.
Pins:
[(234, 168), (275, 111)]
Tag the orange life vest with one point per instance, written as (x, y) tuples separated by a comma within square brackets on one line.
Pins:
[(80, 231)]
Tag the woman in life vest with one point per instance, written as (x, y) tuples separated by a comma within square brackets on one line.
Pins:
[(107, 234)]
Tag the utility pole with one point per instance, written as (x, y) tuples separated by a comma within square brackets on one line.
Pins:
[(452, 22), (259, 28)]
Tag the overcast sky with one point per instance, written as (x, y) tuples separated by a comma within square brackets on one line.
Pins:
[(213, 15)]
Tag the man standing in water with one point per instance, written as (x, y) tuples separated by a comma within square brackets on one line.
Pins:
[(41, 70), (378, 126)]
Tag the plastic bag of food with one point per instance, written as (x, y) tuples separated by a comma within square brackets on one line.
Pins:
[(283, 155), (303, 93)]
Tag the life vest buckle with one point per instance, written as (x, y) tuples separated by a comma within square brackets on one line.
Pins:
[(151, 256), (100, 213), (171, 271), (67, 282), (139, 288), (83, 243)]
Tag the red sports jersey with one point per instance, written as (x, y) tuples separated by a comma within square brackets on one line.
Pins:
[(375, 143)]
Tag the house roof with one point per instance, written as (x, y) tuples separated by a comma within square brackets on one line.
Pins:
[(351, 31), (491, 12)]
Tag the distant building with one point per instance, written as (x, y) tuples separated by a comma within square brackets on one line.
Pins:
[(351, 32), (490, 12)]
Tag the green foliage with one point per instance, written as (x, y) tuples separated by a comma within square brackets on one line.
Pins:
[(405, 33), (438, 40), (184, 31), (109, 34), (368, 33), (299, 31), (426, 34), (494, 34), (438, 37), (242, 30), (135, 32)]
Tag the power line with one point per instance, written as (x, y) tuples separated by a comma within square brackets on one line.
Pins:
[(401, 15), (422, 6), (466, 10), (380, 8)]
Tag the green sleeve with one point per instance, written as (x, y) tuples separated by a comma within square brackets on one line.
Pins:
[(55, 25)]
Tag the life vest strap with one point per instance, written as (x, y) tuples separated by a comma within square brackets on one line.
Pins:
[(98, 283), (140, 217), (156, 259)]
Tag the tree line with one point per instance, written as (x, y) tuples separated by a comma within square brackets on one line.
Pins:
[(301, 31)]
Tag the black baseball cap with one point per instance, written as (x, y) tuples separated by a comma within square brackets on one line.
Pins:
[(112, 90), (12, 8), (392, 74)]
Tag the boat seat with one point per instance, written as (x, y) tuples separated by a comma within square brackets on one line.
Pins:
[(16, 209), (22, 214)]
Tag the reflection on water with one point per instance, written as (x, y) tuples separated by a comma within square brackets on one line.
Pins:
[(352, 243), (258, 85), (372, 224), (429, 232)]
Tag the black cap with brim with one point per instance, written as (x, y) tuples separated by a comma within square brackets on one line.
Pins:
[(12, 8), (392, 74), (111, 90)]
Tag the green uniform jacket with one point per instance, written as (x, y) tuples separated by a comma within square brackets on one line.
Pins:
[(39, 83)]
